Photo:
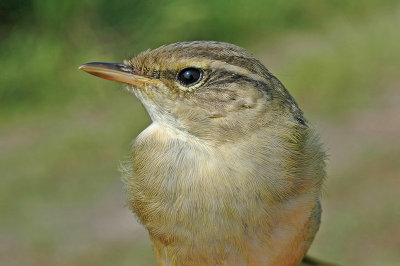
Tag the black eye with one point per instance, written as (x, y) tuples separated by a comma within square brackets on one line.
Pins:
[(189, 76)]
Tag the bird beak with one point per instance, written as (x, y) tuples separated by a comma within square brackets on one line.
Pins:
[(116, 72)]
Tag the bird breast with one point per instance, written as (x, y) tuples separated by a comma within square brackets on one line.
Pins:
[(214, 204)]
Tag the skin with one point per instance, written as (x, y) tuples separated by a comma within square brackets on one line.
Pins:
[(229, 172)]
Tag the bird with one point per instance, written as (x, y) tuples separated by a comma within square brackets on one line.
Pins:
[(230, 171)]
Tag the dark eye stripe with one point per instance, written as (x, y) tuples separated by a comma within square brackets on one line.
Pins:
[(221, 77), (249, 63)]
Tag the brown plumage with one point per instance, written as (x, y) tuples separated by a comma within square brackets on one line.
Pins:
[(229, 172)]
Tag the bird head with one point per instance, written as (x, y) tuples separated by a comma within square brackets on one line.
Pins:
[(211, 90)]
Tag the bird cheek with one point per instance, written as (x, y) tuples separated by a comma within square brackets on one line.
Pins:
[(169, 88)]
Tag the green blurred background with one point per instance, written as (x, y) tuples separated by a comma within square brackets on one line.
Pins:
[(63, 132)]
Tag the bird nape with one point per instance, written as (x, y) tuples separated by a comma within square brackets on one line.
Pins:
[(230, 171)]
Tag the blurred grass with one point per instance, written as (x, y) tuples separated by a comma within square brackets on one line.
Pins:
[(62, 132), (47, 41)]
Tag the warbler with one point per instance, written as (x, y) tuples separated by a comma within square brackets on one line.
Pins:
[(229, 172)]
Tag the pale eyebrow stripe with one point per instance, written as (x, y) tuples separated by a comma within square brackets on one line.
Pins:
[(234, 69)]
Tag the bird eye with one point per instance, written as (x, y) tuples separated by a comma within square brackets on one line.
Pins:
[(189, 76)]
